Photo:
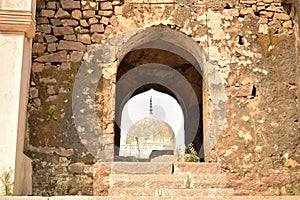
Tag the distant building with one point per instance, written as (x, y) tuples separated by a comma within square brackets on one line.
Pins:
[(147, 135)]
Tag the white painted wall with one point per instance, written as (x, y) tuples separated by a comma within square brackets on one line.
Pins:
[(16, 4), (11, 51), (16, 28)]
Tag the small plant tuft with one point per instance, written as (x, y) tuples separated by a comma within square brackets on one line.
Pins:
[(31, 103), (6, 180), (51, 114), (191, 154)]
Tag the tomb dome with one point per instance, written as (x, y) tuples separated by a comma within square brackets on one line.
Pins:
[(151, 131)]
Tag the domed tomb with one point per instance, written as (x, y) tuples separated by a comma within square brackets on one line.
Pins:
[(149, 134)]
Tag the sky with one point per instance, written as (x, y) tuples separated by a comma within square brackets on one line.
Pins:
[(165, 108)]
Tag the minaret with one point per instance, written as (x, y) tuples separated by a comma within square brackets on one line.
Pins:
[(150, 109)]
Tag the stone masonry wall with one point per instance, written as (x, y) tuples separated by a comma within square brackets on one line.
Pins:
[(252, 42)]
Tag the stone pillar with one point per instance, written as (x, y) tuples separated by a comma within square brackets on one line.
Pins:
[(17, 28)]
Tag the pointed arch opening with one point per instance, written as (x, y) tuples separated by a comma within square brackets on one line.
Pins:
[(136, 112), (165, 71)]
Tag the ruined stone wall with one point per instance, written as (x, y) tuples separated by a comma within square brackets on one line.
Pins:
[(252, 43)]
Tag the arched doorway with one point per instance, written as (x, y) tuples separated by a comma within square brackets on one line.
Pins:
[(169, 73), (126, 62)]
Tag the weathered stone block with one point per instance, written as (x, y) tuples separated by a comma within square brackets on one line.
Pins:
[(231, 12), (288, 24), (50, 89), (104, 20), (56, 22), (61, 14), (107, 5), (58, 31), (113, 21), (267, 14), (84, 38), (38, 48), (88, 14), (69, 22), (50, 38), (76, 56), (70, 45), (246, 11), (97, 38), (76, 14), (268, 1), (263, 28), (81, 30), (118, 10), (281, 16), (116, 3), (47, 13), (106, 13), (51, 5), (39, 38), (93, 20), (275, 24), (248, 1), (242, 91), (52, 47), (37, 102), (84, 23), (263, 20), (70, 37), (76, 168), (99, 28), (34, 92), (43, 28), (274, 8), (89, 5), (55, 57), (42, 20), (70, 4), (108, 30), (37, 67)]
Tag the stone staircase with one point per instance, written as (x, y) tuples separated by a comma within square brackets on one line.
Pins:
[(168, 180)]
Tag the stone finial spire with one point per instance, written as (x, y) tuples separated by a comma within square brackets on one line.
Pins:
[(150, 109)]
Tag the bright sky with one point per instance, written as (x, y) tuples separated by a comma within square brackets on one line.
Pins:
[(165, 108)]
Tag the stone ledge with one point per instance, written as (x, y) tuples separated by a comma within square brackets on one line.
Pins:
[(146, 198), (141, 168), (17, 21), (196, 168)]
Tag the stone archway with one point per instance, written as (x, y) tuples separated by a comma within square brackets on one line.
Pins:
[(169, 73), (101, 67)]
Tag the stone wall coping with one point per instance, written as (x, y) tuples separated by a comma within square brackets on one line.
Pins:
[(144, 198), (12, 21)]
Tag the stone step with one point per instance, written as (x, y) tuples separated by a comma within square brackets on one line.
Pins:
[(141, 168), (196, 168), (168, 181), (165, 192), (215, 193), (147, 198), (135, 191), (164, 168)]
